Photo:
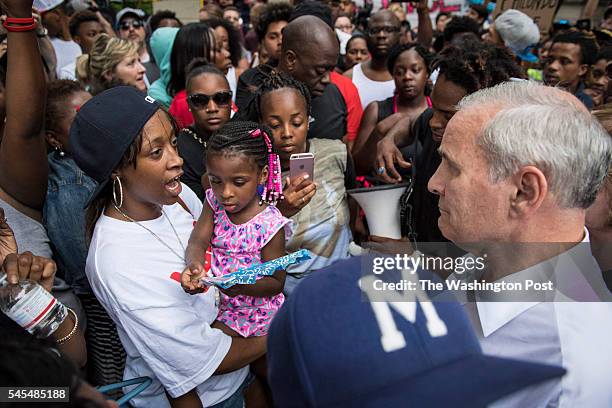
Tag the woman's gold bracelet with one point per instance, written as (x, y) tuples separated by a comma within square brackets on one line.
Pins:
[(73, 331)]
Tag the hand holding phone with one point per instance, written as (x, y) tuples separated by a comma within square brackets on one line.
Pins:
[(299, 188)]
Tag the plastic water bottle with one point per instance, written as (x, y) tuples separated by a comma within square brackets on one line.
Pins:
[(31, 306)]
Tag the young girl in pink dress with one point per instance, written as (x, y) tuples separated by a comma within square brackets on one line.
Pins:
[(242, 225)]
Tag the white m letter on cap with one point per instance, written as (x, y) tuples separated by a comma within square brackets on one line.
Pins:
[(405, 304)]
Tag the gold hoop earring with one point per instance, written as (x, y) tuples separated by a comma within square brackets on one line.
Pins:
[(116, 181)]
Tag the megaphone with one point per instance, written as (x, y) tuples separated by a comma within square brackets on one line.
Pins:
[(381, 205)]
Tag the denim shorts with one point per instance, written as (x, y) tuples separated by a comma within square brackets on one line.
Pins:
[(236, 400)]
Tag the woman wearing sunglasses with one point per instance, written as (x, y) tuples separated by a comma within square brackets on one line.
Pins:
[(209, 98)]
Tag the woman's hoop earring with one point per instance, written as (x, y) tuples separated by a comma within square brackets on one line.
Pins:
[(60, 150), (117, 180)]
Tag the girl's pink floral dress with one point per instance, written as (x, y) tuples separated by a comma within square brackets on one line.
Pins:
[(239, 246)]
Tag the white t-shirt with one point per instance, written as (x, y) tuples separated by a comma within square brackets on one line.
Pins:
[(166, 332), (370, 90), (68, 72), (66, 52)]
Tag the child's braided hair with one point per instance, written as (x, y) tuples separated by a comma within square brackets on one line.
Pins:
[(252, 140), (278, 80)]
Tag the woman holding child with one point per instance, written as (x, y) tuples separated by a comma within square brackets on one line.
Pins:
[(140, 219)]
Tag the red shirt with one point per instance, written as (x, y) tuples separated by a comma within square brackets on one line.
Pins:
[(180, 110), (353, 103)]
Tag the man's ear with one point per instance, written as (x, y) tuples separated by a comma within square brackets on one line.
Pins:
[(583, 70), (290, 58), (531, 191), (76, 39)]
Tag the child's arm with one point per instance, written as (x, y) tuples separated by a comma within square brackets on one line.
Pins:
[(196, 249), (268, 285)]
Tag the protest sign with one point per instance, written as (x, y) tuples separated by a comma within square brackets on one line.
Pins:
[(542, 11), (435, 7)]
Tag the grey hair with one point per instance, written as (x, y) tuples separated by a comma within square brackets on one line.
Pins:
[(547, 128)]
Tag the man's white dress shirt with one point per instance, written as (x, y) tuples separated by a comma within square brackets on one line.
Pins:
[(574, 335)]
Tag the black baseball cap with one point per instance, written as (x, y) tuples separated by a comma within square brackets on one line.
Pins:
[(105, 127)]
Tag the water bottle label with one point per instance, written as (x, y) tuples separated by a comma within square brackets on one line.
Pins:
[(33, 308)]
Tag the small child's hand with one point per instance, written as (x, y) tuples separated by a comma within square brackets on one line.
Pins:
[(190, 278)]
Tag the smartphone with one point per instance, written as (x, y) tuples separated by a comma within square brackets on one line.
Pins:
[(300, 164)]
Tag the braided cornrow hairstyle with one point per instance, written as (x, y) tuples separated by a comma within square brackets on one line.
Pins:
[(278, 80), (252, 140)]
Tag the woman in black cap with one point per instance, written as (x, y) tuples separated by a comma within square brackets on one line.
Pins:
[(139, 220)]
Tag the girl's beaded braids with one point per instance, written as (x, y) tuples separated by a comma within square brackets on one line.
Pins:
[(252, 140)]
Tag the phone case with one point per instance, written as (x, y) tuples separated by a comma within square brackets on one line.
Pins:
[(300, 164)]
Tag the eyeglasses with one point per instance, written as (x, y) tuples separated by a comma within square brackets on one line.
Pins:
[(385, 29), (125, 26), (200, 101)]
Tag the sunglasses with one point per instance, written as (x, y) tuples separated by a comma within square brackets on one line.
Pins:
[(200, 101), (131, 24)]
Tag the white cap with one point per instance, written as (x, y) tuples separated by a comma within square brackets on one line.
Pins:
[(79, 5), (517, 30), (45, 5), (128, 10)]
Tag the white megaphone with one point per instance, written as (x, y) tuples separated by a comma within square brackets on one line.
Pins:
[(381, 205)]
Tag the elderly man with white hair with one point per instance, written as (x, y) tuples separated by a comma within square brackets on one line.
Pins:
[(521, 163)]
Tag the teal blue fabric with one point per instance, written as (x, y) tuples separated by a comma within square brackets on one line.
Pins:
[(161, 43)]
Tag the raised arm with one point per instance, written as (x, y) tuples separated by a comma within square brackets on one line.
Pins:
[(425, 32), (366, 128), (399, 134), (108, 28), (23, 156), (392, 128)]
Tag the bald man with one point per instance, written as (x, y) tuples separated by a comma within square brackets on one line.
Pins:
[(309, 53), (372, 78)]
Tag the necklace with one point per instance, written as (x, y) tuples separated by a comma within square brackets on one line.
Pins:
[(182, 258), (195, 136)]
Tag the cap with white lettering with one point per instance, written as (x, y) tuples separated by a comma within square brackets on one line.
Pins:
[(330, 346)]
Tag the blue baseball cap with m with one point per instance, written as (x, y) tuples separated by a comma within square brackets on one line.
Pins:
[(330, 346), (105, 127)]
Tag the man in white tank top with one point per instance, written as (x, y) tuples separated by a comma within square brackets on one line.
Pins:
[(372, 78)]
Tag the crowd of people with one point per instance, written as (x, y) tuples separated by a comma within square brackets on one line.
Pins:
[(140, 148)]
